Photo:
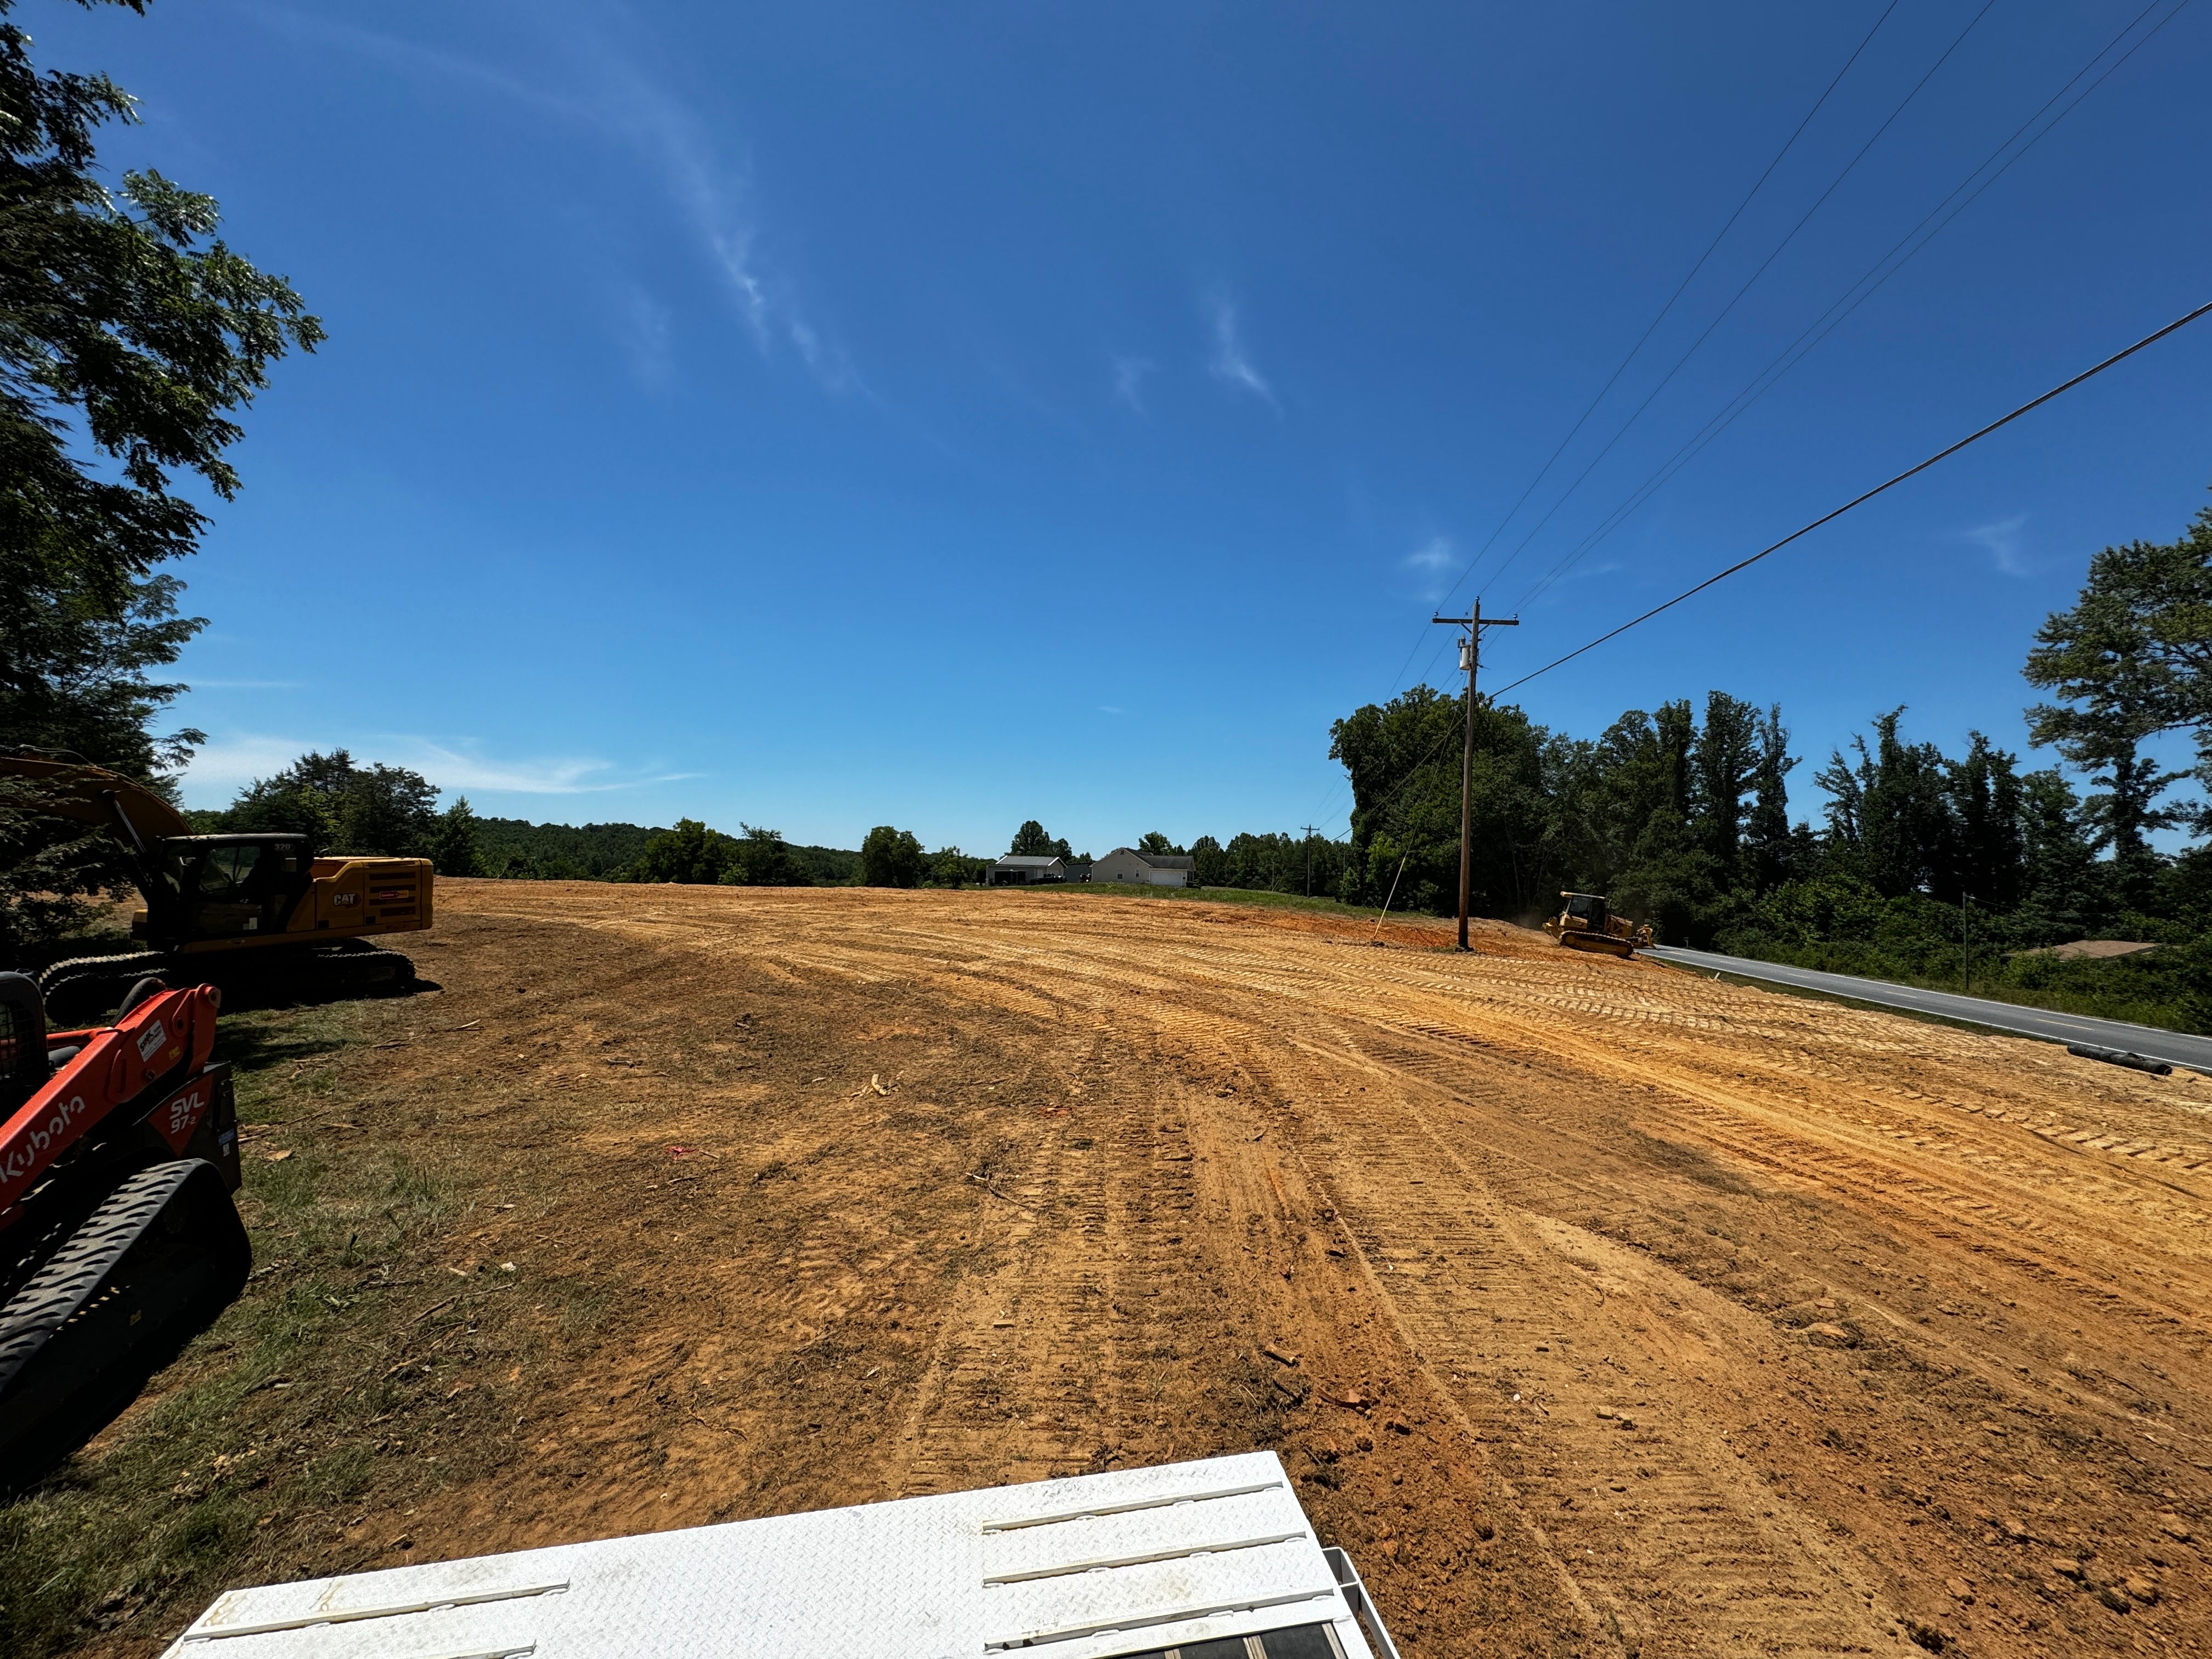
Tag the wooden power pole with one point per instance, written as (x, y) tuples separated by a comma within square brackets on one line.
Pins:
[(1470, 658)]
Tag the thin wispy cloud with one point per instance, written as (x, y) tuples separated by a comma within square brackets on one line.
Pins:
[(615, 96), (2000, 539), (1129, 381), (645, 328), (1232, 364), (1428, 564), (232, 762)]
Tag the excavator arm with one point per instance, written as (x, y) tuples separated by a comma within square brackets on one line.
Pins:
[(83, 794)]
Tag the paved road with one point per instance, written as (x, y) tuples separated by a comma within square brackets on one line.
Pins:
[(2194, 1052)]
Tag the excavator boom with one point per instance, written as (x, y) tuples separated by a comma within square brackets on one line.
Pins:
[(93, 795)]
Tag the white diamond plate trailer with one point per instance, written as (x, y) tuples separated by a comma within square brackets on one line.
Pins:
[(1213, 1559)]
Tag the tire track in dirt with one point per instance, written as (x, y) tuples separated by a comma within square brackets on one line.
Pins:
[(1662, 1537), (1894, 1331)]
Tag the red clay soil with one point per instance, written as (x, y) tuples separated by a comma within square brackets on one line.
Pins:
[(1596, 1308)]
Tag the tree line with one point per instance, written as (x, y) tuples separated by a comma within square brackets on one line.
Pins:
[(132, 337), (1923, 864)]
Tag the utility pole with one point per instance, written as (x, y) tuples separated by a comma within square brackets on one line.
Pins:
[(1308, 828), (1470, 658)]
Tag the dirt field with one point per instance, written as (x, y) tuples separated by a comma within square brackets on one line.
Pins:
[(1597, 1309)]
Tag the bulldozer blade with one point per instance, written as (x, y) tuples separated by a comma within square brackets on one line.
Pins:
[(152, 1264), (1601, 944)]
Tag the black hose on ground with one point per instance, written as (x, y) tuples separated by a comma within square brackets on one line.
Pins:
[(2121, 1057)]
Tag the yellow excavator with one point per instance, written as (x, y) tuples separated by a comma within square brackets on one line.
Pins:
[(257, 914), (1586, 923)]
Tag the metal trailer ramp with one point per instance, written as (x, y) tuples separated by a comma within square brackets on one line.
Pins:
[(1212, 1559)]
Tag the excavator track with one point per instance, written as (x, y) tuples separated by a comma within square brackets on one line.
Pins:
[(158, 1258), (84, 988), (78, 990)]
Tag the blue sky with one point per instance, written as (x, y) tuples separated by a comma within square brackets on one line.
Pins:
[(831, 415)]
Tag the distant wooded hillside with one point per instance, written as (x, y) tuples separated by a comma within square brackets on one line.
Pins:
[(558, 852), (612, 852)]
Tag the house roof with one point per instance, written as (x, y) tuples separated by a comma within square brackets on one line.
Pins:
[(1158, 861), (1029, 860)]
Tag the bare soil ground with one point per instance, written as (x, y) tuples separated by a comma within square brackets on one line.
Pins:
[(1598, 1309)]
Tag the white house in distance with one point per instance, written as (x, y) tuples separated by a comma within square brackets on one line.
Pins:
[(1152, 869)]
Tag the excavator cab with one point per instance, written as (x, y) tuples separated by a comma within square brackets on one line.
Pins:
[(227, 886)]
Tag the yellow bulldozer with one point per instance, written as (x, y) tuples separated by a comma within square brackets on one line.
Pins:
[(253, 913), (1585, 922)]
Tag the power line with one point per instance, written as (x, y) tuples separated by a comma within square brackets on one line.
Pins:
[(1682, 288), (1652, 327), (1749, 281), (1833, 318), (1814, 332), (1942, 454)]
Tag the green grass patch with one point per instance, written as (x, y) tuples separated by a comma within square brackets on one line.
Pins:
[(357, 1372), (2158, 989)]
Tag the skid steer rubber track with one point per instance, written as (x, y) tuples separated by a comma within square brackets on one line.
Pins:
[(156, 1260)]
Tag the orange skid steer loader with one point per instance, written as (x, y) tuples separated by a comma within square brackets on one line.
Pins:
[(118, 1240)]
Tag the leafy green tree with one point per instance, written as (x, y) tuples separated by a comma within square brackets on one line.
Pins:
[(453, 846), (388, 809), (1889, 813), (1772, 851), (1988, 857), (128, 335), (950, 867), (379, 810), (1725, 763), (2132, 659), (2063, 895), (43, 875), (1402, 760), (690, 852), (891, 858), (1209, 867), (1032, 840), (1158, 844), (1667, 876), (761, 858)]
